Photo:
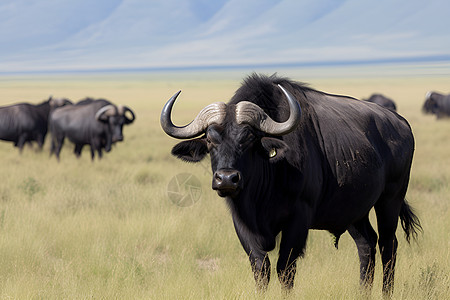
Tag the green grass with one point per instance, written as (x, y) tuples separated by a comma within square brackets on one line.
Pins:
[(107, 230)]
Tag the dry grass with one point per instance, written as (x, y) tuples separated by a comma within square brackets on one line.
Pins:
[(107, 230)]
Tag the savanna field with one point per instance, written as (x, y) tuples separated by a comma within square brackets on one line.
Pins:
[(107, 229)]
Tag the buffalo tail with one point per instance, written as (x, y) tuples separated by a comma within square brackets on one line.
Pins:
[(410, 222)]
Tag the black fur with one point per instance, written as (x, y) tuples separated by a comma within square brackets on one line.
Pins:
[(79, 125), (24, 122)]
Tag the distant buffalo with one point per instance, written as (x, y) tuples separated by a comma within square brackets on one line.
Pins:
[(383, 101), (97, 123), (437, 104), (24, 122)]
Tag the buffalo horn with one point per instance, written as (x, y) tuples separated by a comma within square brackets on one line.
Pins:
[(252, 114), (213, 113), (108, 110), (122, 110)]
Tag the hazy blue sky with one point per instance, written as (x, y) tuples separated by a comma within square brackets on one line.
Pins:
[(104, 34)]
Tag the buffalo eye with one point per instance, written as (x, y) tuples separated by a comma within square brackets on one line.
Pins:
[(272, 152), (275, 149)]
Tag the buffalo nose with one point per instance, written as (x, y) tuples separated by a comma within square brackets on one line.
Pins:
[(226, 180)]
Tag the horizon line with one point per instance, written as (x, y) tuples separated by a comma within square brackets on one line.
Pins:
[(330, 63)]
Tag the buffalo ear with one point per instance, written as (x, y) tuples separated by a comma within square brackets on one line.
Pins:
[(275, 149), (191, 151)]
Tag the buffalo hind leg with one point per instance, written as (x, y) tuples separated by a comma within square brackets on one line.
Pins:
[(59, 142), (366, 241), (52, 146), (388, 249), (40, 141), (387, 219)]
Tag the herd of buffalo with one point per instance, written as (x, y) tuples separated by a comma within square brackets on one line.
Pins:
[(94, 122), (98, 123), (287, 158)]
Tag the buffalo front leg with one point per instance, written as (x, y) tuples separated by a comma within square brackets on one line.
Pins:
[(293, 242), (100, 153), (21, 141), (77, 150), (96, 146), (261, 269), (259, 260), (108, 143)]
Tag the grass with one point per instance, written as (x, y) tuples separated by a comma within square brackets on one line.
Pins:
[(107, 229)]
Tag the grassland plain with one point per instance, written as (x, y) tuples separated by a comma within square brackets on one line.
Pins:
[(107, 230)]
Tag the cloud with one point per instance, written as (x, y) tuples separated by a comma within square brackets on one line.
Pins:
[(29, 24), (51, 35)]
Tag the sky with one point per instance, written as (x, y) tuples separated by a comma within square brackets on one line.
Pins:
[(77, 35)]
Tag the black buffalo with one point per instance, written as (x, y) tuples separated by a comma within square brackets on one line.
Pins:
[(97, 123), (437, 104), (24, 122), (315, 161), (383, 101)]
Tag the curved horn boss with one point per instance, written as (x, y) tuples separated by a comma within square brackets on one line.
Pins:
[(105, 111), (213, 113), (252, 114)]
